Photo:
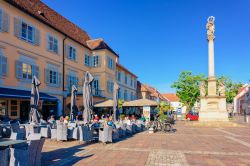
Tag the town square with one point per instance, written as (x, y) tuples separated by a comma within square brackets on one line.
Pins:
[(117, 83)]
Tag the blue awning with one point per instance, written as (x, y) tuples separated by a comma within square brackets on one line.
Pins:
[(23, 94)]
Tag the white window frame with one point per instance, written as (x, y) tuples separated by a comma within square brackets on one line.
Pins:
[(53, 77), (71, 53), (110, 63), (87, 60), (26, 71), (96, 86), (26, 31), (72, 80), (96, 61), (52, 44)]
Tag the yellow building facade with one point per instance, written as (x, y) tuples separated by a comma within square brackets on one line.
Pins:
[(34, 40), (127, 82)]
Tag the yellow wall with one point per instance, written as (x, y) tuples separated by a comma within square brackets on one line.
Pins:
[(14, 48), (130, 89)]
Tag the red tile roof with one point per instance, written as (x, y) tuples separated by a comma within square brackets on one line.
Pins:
[(98, 44), (52, 18), (153, 91), (171, 97)]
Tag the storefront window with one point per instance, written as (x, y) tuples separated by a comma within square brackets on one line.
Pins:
[(13, 108), (3, 107)]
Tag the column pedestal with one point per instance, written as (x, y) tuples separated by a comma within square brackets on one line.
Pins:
[(213, 108)]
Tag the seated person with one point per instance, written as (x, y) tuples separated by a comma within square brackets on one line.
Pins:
[(133, 118), (109, 122), (52, 121), (143, 119), (127, 120), (66, 120), (95, 124), (61, 120), (96, 118)]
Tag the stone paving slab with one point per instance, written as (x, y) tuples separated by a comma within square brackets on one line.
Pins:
[(196, 146), (239, 132), (217, 160), (166, 158)]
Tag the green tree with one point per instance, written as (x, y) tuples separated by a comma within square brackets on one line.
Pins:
[(232, 88), (187, 88), (120, 103)]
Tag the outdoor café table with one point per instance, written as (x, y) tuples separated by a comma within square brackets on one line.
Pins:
[(6, 142)]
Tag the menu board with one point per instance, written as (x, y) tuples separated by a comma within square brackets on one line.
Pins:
[(146, 113)]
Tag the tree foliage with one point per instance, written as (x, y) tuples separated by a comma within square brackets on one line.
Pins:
[(232, 88), (187, 88), (163, 107), (120, 103)]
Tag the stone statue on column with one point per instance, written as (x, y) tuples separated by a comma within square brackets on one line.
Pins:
[(210, 28), (212, 103), (202, 89), (221, 88)]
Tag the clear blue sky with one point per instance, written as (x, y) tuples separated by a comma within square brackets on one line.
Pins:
[(157, 39)]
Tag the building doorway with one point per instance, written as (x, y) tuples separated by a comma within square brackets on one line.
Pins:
[(24, 110)]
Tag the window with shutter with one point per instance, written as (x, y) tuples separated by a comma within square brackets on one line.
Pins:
[(110, 63), (53, 77), (25, 71), (19, 67), (36, 39), (3, 64), (96, 61), (52, 44), (26, 31), (17, 27), (87, 60), (46, 76), (96, 87), (4, 21), (72, 80), (71, 53)]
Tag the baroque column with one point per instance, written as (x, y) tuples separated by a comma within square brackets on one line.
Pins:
[(211, 75), (212, 106)]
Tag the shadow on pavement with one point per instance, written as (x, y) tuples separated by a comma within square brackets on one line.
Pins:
[(63, 155)]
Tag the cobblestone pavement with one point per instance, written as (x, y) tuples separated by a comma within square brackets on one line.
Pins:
[(198, 146)]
